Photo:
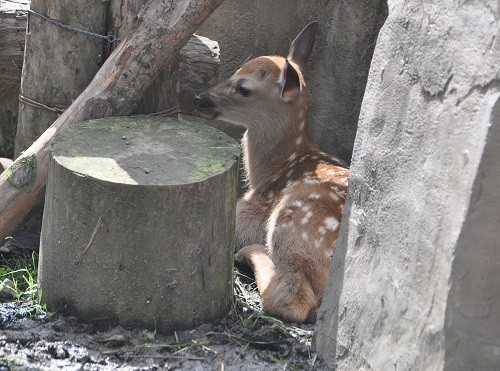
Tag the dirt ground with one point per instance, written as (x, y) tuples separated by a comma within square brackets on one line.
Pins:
[(57, 343), (248, 340)]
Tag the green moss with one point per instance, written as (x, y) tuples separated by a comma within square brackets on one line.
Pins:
[(22, 173)]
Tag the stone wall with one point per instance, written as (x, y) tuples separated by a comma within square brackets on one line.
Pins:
[(339, 63), (419, 242), (472, 321)]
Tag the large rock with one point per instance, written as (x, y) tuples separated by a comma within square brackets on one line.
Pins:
[(421, 236), (339, 63)]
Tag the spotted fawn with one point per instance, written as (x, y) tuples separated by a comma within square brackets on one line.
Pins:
[(288, 221)]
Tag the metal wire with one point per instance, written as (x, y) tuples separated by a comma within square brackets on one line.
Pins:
[(33, 103), (109, 38)]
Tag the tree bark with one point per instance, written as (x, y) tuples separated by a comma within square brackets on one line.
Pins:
[(13, 17), (202, 56), (161, 30), (159, 96), (163, 191), (58, 63)]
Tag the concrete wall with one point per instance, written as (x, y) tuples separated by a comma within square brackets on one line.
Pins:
[(414, 279), (339, 63)]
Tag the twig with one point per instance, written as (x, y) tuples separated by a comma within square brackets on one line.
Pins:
[(97, 226)]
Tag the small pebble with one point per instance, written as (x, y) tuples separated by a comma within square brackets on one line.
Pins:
[(146, 170), (7, 289), (127, 143)]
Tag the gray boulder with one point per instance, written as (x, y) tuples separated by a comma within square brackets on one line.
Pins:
[(415, 280)]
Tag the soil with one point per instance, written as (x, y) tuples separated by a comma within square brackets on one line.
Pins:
[(52, 342), (247, 339)]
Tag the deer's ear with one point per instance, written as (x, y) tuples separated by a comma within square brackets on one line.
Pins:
[(290, 82), (303, 43)]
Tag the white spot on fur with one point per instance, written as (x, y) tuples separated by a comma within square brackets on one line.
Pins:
[(289, 174), (302, 125), (331, 223), (306, 208), (314, 157), (292, 157), (311, 181), (302, 113), (303, 158), (307, 174), (299, 140), (306, 218), (322, 230), (314, 196), (297, 203), (270, 195), (305, 237), (334, 196)]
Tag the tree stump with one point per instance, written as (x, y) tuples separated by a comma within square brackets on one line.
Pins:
[(58, 63), (12, 33), (138, 226)]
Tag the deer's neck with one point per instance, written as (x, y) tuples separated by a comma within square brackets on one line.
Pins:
[(267, 154)]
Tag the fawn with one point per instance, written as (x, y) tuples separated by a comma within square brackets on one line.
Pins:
[(288, 220)]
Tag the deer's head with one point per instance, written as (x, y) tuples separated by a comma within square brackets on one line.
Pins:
[(266, 90)]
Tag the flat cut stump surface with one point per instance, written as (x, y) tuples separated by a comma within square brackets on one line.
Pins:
[(139, 151)]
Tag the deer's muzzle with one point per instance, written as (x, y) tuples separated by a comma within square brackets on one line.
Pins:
[(205, 105)]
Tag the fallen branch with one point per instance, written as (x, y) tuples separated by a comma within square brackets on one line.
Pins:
[(162, 29)]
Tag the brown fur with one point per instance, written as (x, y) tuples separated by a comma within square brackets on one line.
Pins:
[(288, 221)]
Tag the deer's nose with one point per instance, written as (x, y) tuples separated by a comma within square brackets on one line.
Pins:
[(202, 101)]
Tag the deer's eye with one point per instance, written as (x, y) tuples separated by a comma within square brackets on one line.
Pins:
[(245, 92)]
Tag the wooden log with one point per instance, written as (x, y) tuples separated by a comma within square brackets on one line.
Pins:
[(202, 56), (162, 29), (13, 15), (159, 97), (138, 226), (58, 63), (198, 66), (12, 32)]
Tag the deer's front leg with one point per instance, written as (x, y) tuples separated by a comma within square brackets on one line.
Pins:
[(251, 219)]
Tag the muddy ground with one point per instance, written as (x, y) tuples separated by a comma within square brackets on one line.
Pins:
[(247, 340)]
